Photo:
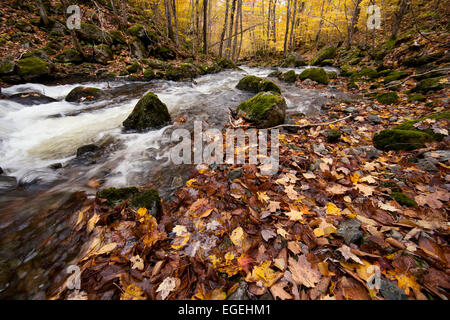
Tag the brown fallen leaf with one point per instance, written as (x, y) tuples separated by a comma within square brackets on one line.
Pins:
[(303, 273)]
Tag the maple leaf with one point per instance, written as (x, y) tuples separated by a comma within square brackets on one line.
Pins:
[(303, 273), (138, 262), (277, 291), (294, 215), (337, 189), (237, 236), (132, 292), (263, 197), (244, 262), (365, 189), (333, 209), (291, 193), (264, 273), (274, 206), (348, 254)]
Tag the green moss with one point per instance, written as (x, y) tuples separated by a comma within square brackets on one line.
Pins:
[(117, 37), (347, 72), (183, 71), (324, 54), (400, 139), (249, 83), (114, 195), (395, 75), (332, 75), (134, 68), (266, 109), (352, 85), (148, 113), (7, 67), (149, 74), (87, 93), (289, 77), (333, 136), (293, 61), (416, 97), (384, 73), (403, 199), (417, 61), (327, 62), (148, 199), (275, 74), (429, 85), (368, 72), (387, 98), (391, 185), (136, 30), (409, 125), (267, 85), (33, 66), (316, 74), (70, 56)]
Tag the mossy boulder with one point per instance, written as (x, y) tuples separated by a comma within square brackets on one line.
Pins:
[(7, 67), (157, 64), (324, 54), (293, 61), (332, 75), (420, 60), (289, 76), (226, 63), (266, 109), (81, 94), (387, 98), (93, 34), (148, 113), (333, 135), (134, 68), (249, 83), (403, 199), (137, 30), (369, 73), (409, 125), (400, 139), (316, 74), (430, 85), (149, 74), (103, 54), (275, 74), (34, 68), (352, 85), (416, 98), (70, 56), (267, 85), (326, 62), (164, 52), (395, 75), (114, 195), (182, 72), (347, 72), (117, 37)]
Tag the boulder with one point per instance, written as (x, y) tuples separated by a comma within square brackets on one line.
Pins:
[(249, 83), (148, 113), (117, 37), (103, 54), (267, 85), (93, 34), (266, 109), (324, 54), (7, 67), (164, 52), (182, 72), (387, 98), (138, 48), (226, 63), (395, 75), (87, 149), (70, 56), (34, 69), (289, 76), (81, 94), (393, 139), (316, 74), (134, 68), (146, 36), (294, 60), (430, 85), (31, 98), (7, 183)]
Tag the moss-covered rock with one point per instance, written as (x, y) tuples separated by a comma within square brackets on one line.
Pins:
[(164, 52), (275, 74), (384, 73), (409, 125), (324, 54), (103, 54), (138, 48), (430, 85), (416, 98), (34, 68), (81, 94), (332, 75), (347, 72), (352, 85), (148, 113), (182, 72), (93, 34), (289, 76), (316, 74), (403, 199), (266, 109), (293, 61), (395, 75), (150, 200), (387, 98), (333, 135), (7, 67), (420, 60), (226, 63), (157, 64), (249, 83), (368, 72), (327, 62), (267, 85), (149, 74), (400, 139), (117, 37), (114, 195), (70, 56), (134, 68)]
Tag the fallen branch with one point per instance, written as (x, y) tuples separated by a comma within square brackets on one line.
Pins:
[(310, 125)]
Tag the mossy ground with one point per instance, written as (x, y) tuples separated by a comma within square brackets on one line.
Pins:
[(387, 98), (400, 139), (403, 199)]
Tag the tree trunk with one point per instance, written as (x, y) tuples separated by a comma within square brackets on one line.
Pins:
[(43, 13), (274, 17), (224, 30), (169, 20), (174, 10), (205, 26), (236, 28), (269, 15), (288, 19), (230, 31), (399, 17), (355, 18)]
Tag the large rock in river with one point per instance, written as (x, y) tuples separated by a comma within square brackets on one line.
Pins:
[(316, 74), (266, 109), (34, 68), (256, 84), (148, 113), (81, 94)]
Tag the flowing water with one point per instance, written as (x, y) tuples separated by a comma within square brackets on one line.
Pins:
[(36, 217)]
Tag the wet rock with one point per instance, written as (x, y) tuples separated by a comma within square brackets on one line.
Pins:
[(150, 200), (56, 166), (256, 84), (240, 293), (294, 60), (81, 94), (138, 48), (316, 74), (70, 56), (375, 119), (148, 113), (235, 174), (391, 292), (1, 170), (309, 82), (430, 85), (289, 76), (266, 109), (87, 149), (275, 74), (7, 183), (350, 230), (103, 54), (93, 34), (31, 98), (185, 71)]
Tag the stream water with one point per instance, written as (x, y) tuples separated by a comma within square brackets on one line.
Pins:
[(36, 218)]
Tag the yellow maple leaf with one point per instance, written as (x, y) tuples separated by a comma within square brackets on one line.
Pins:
[(333, 209), (266, 274), (132, 292)]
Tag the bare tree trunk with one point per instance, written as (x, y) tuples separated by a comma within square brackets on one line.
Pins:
[(236, 28), (174, 10), (269, 15), (224, 30), (242, 32), (355, 17), (288, 19), (205, 26), (274, 25), (320, 24), (197, 22), (169, 20), (42, 12), (399, 17), (230, 31)]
